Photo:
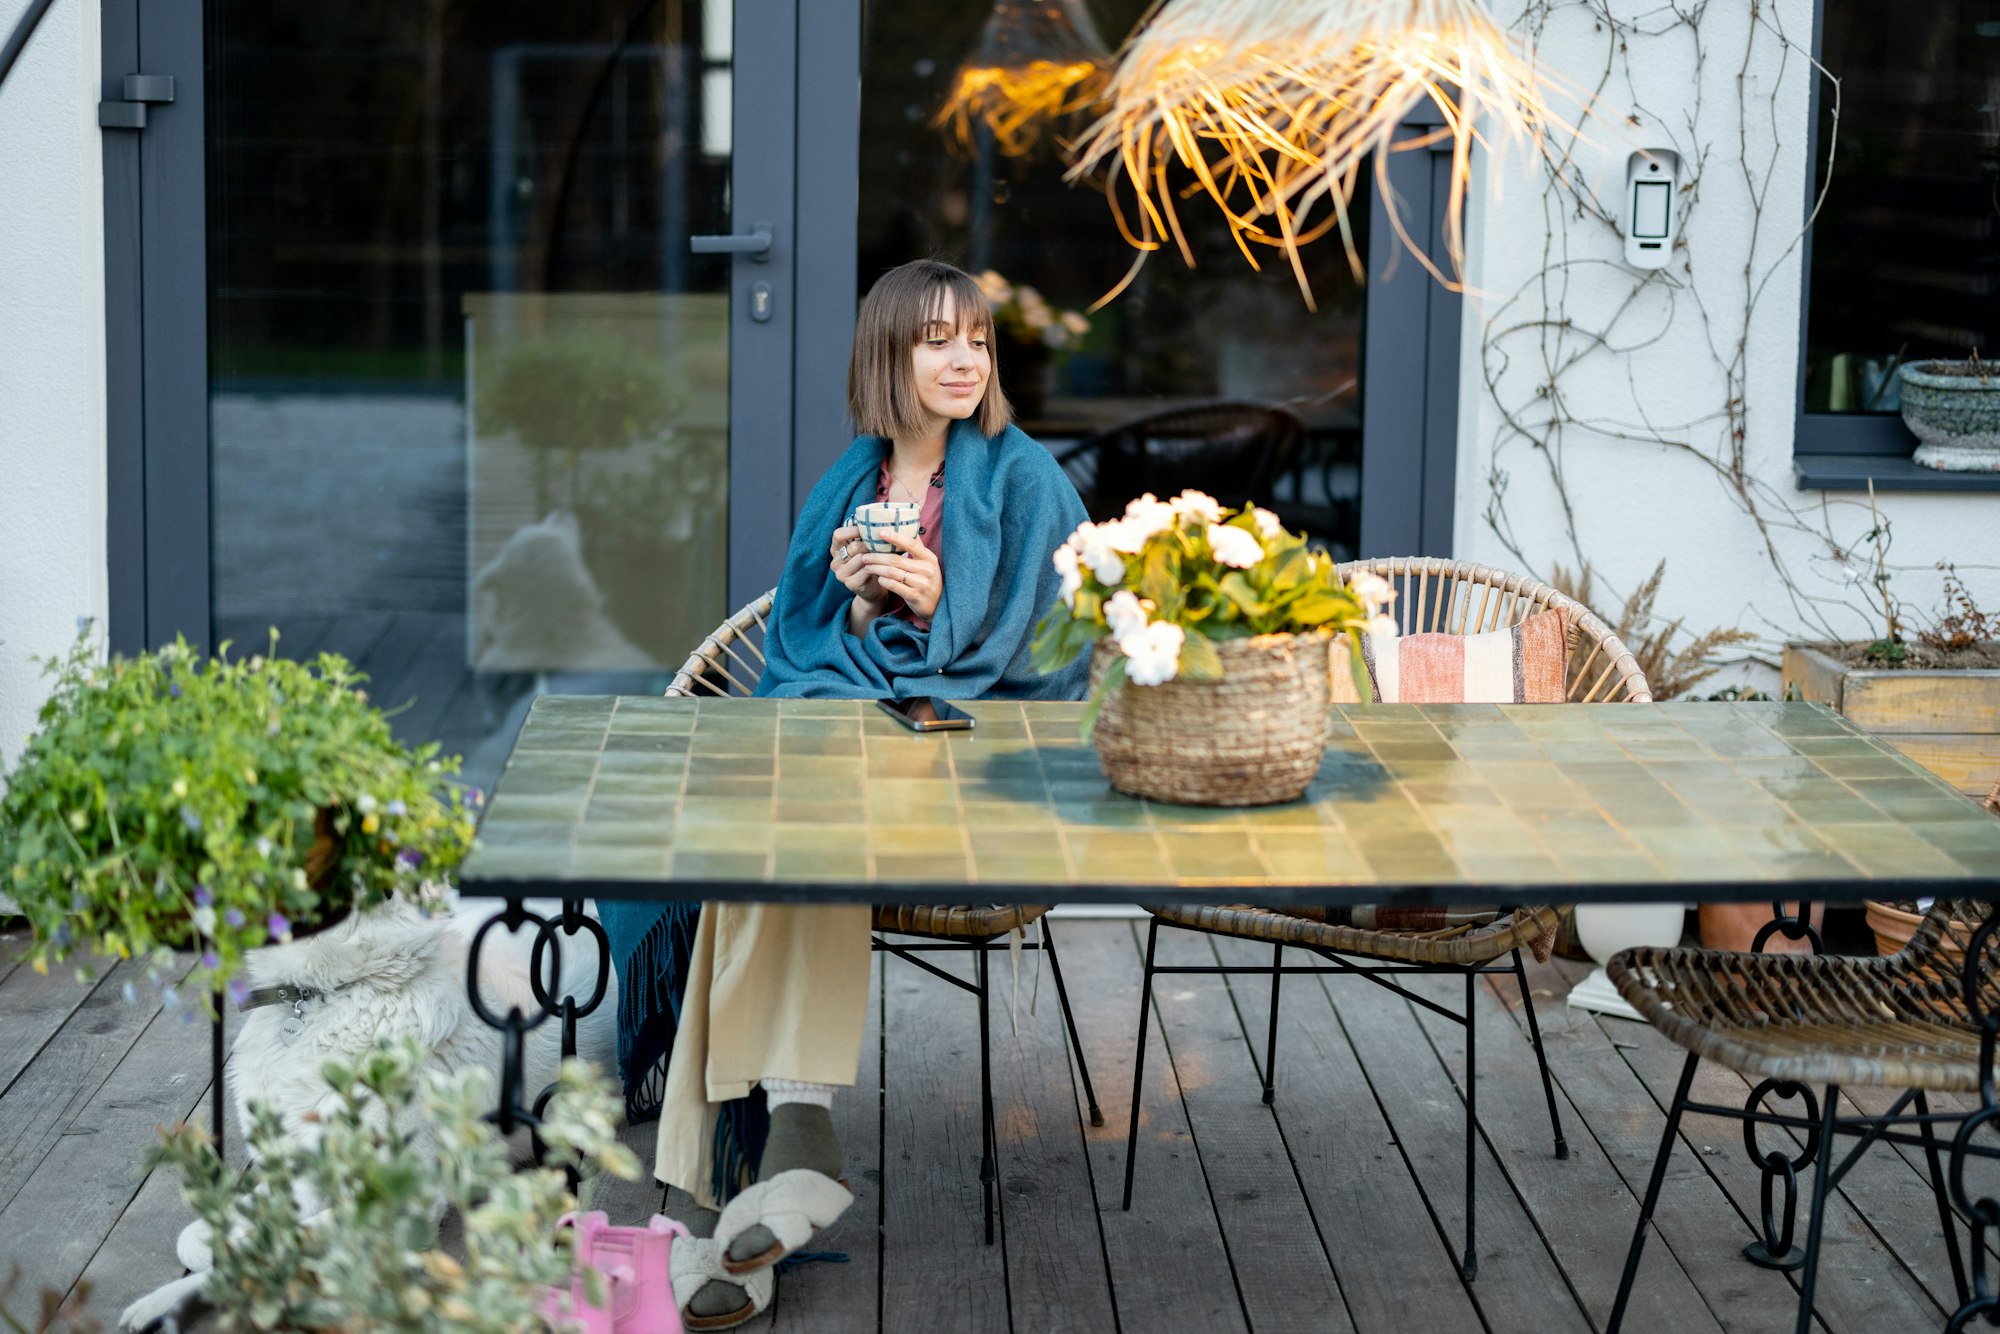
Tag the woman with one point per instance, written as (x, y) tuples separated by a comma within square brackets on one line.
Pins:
[(771, 998)]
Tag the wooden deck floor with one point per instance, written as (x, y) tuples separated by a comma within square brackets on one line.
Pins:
[(1336, 1209)]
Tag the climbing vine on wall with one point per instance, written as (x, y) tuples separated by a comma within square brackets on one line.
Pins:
[(1546, 351)]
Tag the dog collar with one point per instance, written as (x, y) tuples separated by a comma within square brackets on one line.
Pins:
[(294, 996)]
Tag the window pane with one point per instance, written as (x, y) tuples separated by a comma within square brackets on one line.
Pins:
[(469, 388), (1904, 258), (1176, 341)]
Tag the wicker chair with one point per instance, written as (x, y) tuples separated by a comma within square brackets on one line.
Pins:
[(1902, 1021), (1456, 598), (729, 662)]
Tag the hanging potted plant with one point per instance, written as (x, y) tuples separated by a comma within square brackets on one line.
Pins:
[(1210, 632), (171, 801)]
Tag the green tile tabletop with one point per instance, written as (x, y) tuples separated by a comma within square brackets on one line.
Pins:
[(649, 798)]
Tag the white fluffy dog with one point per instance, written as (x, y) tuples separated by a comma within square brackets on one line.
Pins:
[(390, 972)]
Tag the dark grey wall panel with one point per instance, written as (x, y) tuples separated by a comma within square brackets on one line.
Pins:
[(124, 425)]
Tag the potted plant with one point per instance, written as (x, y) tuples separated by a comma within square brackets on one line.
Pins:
[(171, 801), (371, 1260), (1953, 408), (1210, 632), (1030, 332)]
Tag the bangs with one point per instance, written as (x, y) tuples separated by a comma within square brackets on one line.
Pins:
[(958, 291)]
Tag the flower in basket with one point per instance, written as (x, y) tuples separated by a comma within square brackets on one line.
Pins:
[(1172, 579), (173, 801), (1211, 638), (1023, 315)]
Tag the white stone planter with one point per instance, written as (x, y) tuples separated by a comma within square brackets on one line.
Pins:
[(1955, 412), (1603, 929)]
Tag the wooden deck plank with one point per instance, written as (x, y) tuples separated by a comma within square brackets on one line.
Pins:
[(14, 946), (846, 1298), (1581, 1205), (937, 1271), (33, 1008), (1169, 1262), (1360, 1191), (1862, 1287), (1282, 1270), (1520, 1285), (60, 1216), (42, 1105), (1056, 1274), (1615, 1110)]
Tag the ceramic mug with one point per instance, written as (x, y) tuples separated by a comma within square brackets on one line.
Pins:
[(886, 516)]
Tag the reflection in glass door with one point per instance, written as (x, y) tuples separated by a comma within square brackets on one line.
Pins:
[(469, 411)]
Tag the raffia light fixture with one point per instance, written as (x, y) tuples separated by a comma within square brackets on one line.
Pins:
[(1271, 107), (1037, 61)]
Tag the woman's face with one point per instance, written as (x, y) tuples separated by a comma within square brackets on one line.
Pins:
[(952, 365)]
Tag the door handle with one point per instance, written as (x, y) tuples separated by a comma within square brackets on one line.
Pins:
[(755, 243)]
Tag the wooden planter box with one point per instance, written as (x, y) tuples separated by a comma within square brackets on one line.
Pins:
[(1947, 721)]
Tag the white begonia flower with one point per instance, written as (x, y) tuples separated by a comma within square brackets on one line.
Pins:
[(997, 289), (1124, 536), (1268, 526), (1234, 547), (1374, 591), (1036, 316), (1072, 576), (1153, 655), (1197, 506), (1149, 514), (1125, 614), (1103, 559), (204, 921), (1081, 537), (1382, 626)]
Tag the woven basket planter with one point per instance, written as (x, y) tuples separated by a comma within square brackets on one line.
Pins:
[(1250, 739)]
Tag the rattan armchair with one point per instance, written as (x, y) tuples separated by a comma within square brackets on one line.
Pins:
[(1456, 598), (1910, 1021), (729, 662)]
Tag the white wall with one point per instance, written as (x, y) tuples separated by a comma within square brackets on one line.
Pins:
[(52, 471), (1646, 420)]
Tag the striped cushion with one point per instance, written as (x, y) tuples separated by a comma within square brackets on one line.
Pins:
[(1523, 664)]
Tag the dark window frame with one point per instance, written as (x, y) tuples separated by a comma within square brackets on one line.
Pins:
[(1846, 451)]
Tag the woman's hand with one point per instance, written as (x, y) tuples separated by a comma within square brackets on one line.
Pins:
[(914, 575), (848, 555)]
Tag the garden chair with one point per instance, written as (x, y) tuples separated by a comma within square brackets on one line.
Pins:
[(1449, 597), (1229, 449), (729, 662), (1914, 1020)]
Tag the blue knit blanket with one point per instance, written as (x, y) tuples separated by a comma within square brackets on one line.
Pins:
[(1007, 507)]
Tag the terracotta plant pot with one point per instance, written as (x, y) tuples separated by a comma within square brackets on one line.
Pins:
[(1734, 926), (1894, 926)]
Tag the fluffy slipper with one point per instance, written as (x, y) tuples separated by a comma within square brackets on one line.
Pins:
[(693, 1264), (791, 1206)]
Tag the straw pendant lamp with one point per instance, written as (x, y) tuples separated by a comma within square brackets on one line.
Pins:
[(1271, 108), (1037, 61)]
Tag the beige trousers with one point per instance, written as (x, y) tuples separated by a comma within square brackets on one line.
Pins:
[(774, 991)]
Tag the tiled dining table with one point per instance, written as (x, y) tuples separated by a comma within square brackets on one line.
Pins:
[(786, 800)]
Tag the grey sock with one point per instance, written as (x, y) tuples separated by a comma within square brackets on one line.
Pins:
[(717, 1296), (801, 1136)]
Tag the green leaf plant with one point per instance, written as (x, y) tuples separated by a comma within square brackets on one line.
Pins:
[(1171, 579), (176, 801), (392, 1144)]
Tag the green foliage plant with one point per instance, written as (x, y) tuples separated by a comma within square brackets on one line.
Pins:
[(1171, 579), (370, 1260), (172, 800)]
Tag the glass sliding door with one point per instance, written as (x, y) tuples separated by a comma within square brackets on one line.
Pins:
[(475, 415)]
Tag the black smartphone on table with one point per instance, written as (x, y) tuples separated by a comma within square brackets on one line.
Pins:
[(927, 713)]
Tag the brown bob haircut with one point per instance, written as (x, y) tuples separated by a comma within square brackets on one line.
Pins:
[(896, 315)]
